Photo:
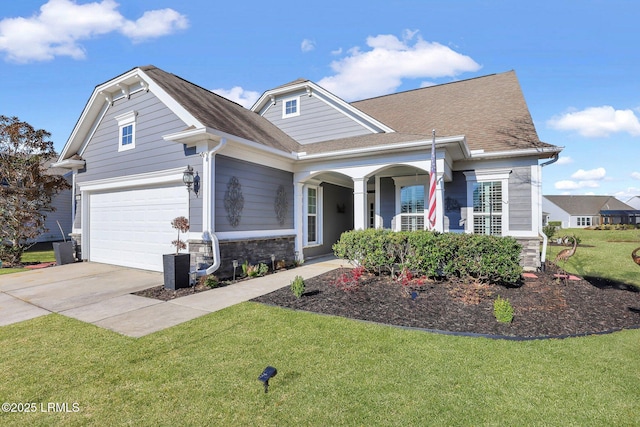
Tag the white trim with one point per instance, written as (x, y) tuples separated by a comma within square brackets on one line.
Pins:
[(296, 113), (256, 234), (410, 181), (318, 216), (490, 175), (125, 120), (129, 181)]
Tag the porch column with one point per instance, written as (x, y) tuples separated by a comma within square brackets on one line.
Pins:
[(359, 203), (377, 216), (439, 204)]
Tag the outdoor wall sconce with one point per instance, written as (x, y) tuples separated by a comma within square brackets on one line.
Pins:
[(190, 180), (268, 373)]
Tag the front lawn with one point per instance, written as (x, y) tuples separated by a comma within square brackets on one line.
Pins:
[(602, 254), (40, 252), (331, 371)]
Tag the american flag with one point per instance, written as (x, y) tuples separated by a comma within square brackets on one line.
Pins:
[(432, 185)]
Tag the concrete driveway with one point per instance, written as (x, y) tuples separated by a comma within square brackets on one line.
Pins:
[(101, 294)]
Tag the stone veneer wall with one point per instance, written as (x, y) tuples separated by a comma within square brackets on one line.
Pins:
[(530, 258), (253, 250)]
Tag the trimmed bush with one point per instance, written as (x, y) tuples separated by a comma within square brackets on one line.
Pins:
[(502, 310), (298, 286), (486, 258)]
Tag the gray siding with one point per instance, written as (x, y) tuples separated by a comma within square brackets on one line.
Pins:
[(455, 199), (259, 186), (151, 152), (520, 209), (387, 201), (334, 223), (61, 202), (318, 121)]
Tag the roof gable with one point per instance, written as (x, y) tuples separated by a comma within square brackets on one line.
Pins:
[(587, 205), (490, 111)]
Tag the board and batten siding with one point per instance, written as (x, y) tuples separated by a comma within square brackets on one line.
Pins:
[(259, 189), (151, 152), (319, 120), (520, 208)]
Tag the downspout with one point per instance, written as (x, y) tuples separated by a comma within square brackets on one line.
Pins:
[(543, 255), (209, 209)]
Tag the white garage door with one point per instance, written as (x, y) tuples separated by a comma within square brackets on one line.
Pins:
[(133, 227)]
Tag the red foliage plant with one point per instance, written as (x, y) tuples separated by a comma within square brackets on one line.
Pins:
[(350, 280)]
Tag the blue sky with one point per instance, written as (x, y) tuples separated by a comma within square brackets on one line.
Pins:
[(578, 62)]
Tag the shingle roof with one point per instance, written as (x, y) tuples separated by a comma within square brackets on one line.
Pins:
[(587, 205), (217, 112), (490, 111)]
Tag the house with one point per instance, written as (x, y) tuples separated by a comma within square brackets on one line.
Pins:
[(588, 211), (634, 202), (288, 176), (57, 222)]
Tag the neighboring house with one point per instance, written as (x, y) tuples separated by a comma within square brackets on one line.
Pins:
[(302, 166), (61, 214), (634, 202), (588, 211)]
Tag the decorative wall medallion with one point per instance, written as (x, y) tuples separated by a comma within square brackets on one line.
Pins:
[(233, 201), (281, 204)]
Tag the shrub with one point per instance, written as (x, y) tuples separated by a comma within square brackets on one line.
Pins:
[(350, 280), (549, 231), (487, 258), (297, 286), (557, 224), (212, 281), (502, 310), (258, 270)]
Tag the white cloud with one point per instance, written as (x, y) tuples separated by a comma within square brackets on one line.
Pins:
[(564, 160), (635, 175), (597, 122), (575, 185), (307, 45), (246, 98), (590, 175), (61, 24), (338, 51), (381, 69)]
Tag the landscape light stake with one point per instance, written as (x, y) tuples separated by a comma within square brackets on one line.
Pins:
[(235, 265), (268, 373)]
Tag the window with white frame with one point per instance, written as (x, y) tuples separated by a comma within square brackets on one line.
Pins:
[(410, 202), (126, 130), (291, 107), (313, 214), (584, 221), (412, 208), (488, 198), (487, 208)]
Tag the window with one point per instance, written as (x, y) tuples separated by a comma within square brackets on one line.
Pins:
[(126, 130), (412, 208), (584, 221), (487, 208), (313, 214), (291, 107)]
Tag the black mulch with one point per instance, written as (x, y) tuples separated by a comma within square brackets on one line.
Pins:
[(544, 306)]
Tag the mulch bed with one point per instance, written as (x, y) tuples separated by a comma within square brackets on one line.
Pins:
[(544, 306)]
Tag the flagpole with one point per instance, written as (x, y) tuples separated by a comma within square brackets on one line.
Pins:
[(432, 185)]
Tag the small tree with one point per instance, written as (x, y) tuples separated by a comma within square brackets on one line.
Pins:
[(182, 225), (26, 189)]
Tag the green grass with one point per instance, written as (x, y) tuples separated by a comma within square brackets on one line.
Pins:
[(331, 372), (602, 253), (40, 252)]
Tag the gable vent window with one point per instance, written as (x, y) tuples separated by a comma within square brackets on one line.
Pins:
[(291, 107), (126, 130)]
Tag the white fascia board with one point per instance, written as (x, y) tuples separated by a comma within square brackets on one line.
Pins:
[(312, 88), (515, 153), (69, 164), (113, 90), (376, 149)]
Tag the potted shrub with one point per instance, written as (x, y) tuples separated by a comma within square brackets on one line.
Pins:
[(176, 266)]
